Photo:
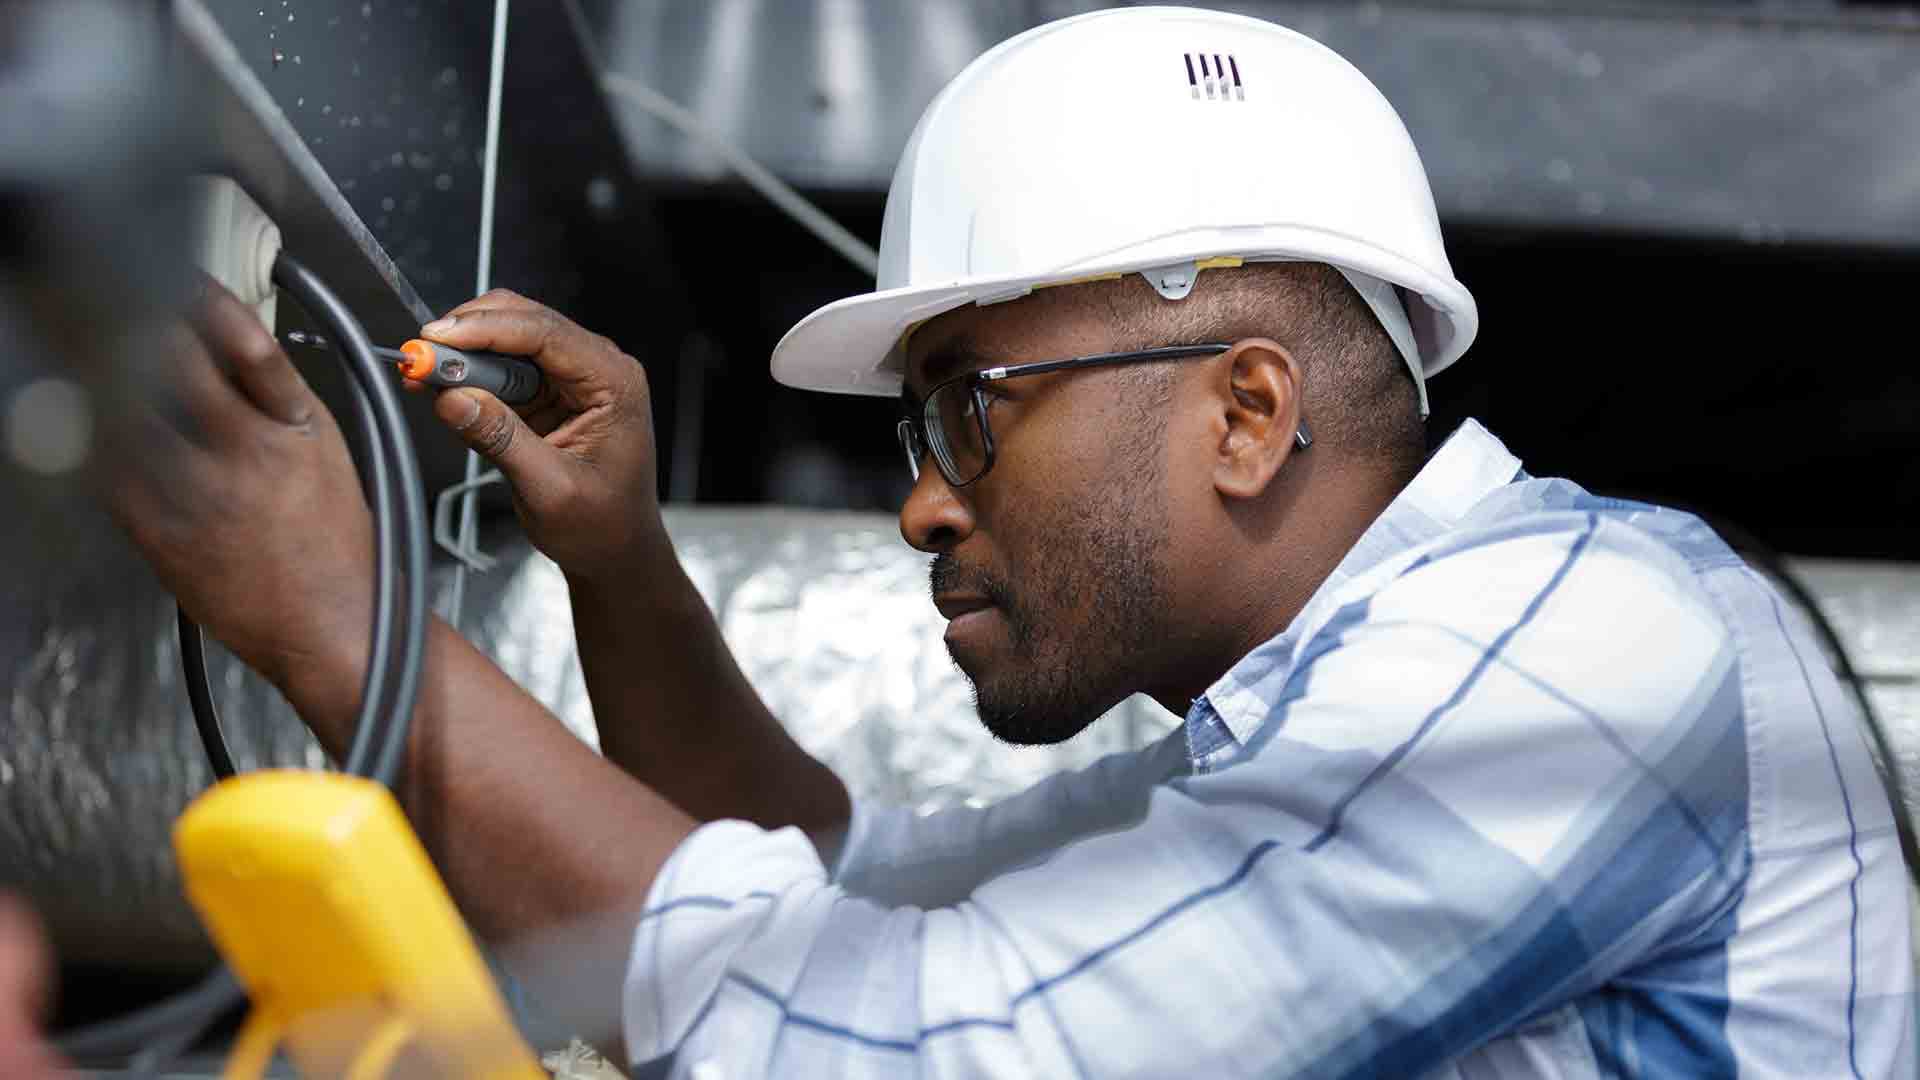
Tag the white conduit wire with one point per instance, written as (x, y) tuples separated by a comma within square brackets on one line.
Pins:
[(776, 191), (469, 489)]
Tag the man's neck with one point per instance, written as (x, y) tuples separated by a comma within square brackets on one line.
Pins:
[(1277, 578)]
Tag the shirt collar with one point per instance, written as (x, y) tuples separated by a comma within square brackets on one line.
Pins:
[(1468, 467)]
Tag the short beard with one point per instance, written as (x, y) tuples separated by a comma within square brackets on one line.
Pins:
[(1105, 563)]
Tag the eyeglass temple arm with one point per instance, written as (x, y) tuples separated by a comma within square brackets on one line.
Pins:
[(1302, 436), (1041, 367)]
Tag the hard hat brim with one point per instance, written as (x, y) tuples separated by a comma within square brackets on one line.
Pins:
[(852, 345)]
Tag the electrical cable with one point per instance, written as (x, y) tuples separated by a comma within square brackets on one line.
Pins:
[(388, 715), (391, 719), (206, 715), (193, 660), (159, 1055), (122, 1034), (377, 485), (390, 688)]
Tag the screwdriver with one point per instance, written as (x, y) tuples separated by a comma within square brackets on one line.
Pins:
[(512, 379)]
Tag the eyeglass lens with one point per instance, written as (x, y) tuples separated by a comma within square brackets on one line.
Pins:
[(909, 436), (953, 424)]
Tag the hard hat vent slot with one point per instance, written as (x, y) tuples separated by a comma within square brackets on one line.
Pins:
[(1216, 74)]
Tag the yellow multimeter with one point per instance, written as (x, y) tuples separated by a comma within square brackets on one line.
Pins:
[(327, 908)]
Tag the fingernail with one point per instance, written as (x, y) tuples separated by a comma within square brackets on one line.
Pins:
[(467, 412), (440, 326)]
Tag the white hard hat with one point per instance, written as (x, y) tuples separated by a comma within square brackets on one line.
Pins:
[(1159, 140)]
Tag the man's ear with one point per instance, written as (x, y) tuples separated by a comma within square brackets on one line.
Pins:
[(1261, 397)]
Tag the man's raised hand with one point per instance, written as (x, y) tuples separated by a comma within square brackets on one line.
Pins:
[(234, 482), (580, 457)]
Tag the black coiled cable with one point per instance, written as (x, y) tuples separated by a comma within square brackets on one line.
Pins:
[(398, 498), (391, 475), (206, 717)]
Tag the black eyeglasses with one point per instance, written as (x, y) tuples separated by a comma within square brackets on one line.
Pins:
[(953, 417)]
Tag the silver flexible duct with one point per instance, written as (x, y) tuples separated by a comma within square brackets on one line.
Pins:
[(828, 613)]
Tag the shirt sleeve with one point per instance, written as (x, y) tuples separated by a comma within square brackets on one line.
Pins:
[(895, 856), (1502, 778)]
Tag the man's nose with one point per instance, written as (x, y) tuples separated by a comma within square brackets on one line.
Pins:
[(935, 518)]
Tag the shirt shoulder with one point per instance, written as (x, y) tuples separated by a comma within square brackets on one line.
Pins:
[(1579, 606), (1580, 576)]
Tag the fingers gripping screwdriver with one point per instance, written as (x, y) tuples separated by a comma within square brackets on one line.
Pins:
[(510, 378)]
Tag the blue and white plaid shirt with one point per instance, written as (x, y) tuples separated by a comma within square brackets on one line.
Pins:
[(1538, 784)]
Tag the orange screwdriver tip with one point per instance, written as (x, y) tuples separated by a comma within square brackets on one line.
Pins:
[(419, 360)]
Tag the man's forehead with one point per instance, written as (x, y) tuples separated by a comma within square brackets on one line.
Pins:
[(968, 327), (1042, 325), (937, 354)]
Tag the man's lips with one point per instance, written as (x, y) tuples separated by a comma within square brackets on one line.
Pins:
[(954, 605)]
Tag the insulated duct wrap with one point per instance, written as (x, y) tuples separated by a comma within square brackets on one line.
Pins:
[(827, 612)]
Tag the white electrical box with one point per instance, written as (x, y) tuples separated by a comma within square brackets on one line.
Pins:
[(235, 242)]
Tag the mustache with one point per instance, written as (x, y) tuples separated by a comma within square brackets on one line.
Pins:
[(946, 575)]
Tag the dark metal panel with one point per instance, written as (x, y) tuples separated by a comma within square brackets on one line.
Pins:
[(1766, 128), (389, 96), (1755, 124), (249, 139), (824, 92), (359, 127)]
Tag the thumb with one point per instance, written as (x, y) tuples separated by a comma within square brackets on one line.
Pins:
[(497, 433)]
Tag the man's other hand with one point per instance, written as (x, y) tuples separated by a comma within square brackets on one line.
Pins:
[(580, 457), (233, 481), (24, 992)]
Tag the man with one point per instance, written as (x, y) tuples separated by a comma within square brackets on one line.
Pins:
[(23, 996), (1481, 775)]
